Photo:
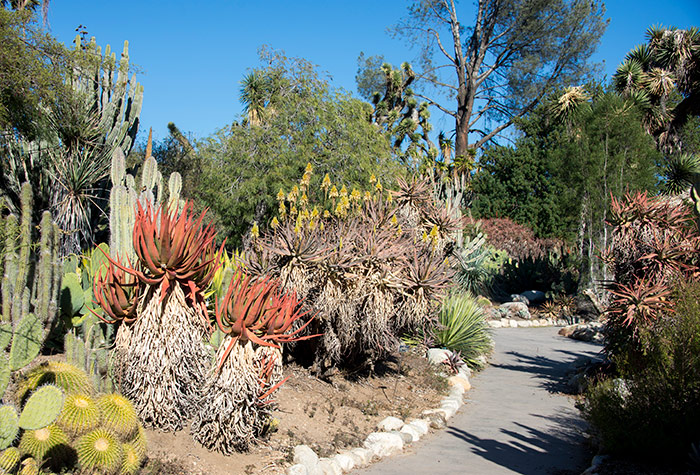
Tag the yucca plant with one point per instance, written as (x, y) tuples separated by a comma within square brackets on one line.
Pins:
[(160, 358), (256, 318), (461, 327)]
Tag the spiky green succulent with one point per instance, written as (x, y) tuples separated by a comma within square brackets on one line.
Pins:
[(42, 442), (99, 451), (64, 375), (9, 459), (80, 414), (118, 415), (132, 459)]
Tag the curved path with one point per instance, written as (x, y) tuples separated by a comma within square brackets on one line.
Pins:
[(514, 419)]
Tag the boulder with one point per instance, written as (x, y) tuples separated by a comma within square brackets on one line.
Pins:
[(304, 455), (297, 469), (405, 436), (494, 323), (390, 423), (345, 461), (520, 299), (361, 456), (436, 356), (383, 444), (515, 310), (459, 381), (534, 297), (435, 418), (328, 467), (421, 425), (412, 431)]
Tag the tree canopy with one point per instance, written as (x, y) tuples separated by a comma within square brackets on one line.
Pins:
[(293, 117), (500, 66)]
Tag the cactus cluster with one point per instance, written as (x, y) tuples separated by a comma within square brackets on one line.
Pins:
[(29, 307), (88, 340), (82, 432), (125, 195)]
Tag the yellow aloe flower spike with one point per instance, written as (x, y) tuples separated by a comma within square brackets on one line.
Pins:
[(333, 193), (389, 198), (394, 221), (274, 223), (255, 230), (304, 200), (399, 230), (343, 191), (309, 169), (326, 214), (355, 195), (282, 209), (293, 210), (297, 229), (372, 178), (378, 186), (424, 237), (281, 195), (434, 233), (314, 212), (326, 183), (368, 196)]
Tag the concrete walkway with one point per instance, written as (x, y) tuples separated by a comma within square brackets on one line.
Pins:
[(514, 419)]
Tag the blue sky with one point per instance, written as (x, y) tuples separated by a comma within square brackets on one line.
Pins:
[(193, 55)]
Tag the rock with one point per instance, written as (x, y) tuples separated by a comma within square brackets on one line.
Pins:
[(390, 423), (457, 390), (505, 322), (345, 462), (494, 323), (436, 419), (567, 331), (328, 467), (459, 382), (588, 307), (534, 322), (383, 444), (405, 436), (451, 402), (550, 321), (520, 299), (421, 425), (513, 323), (447, 411), (412, 431), (297, 469), (524, 323), (437, 355), (303, 454), (544, 322), (362, 456), (464, 372), (516, 310)]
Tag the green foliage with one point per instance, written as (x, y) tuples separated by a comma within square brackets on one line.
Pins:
[(304, 119), (652, 412), (96, 113), (477, 264), (63, 375), (461, 327), (99, 452), (9, 426), (42, 408)]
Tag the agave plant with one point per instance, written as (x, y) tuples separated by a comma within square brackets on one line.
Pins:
[(256, 319), (160, 357)]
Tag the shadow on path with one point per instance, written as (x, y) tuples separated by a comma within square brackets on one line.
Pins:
[(529, 451), (551, 373)]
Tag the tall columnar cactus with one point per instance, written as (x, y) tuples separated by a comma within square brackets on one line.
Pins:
[(125, 195), (29, 307)]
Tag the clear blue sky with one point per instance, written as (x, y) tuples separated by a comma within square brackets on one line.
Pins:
[(192, 55)]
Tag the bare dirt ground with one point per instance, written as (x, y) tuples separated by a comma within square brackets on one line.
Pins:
[(327, 416)]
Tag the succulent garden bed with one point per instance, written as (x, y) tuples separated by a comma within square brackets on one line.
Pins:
[(328, 416)]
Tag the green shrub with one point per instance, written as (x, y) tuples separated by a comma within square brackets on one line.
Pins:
[(462, 328), (658, 411)]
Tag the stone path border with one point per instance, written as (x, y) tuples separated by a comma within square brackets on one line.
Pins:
[(393, 435)]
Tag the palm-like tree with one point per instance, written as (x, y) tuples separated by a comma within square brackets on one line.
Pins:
[(663, 78), (254, 96)]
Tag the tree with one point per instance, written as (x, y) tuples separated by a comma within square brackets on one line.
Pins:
[(403, 120), (559, 177), (61, 123), (498, 69), (302, 119), (663, 77)]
